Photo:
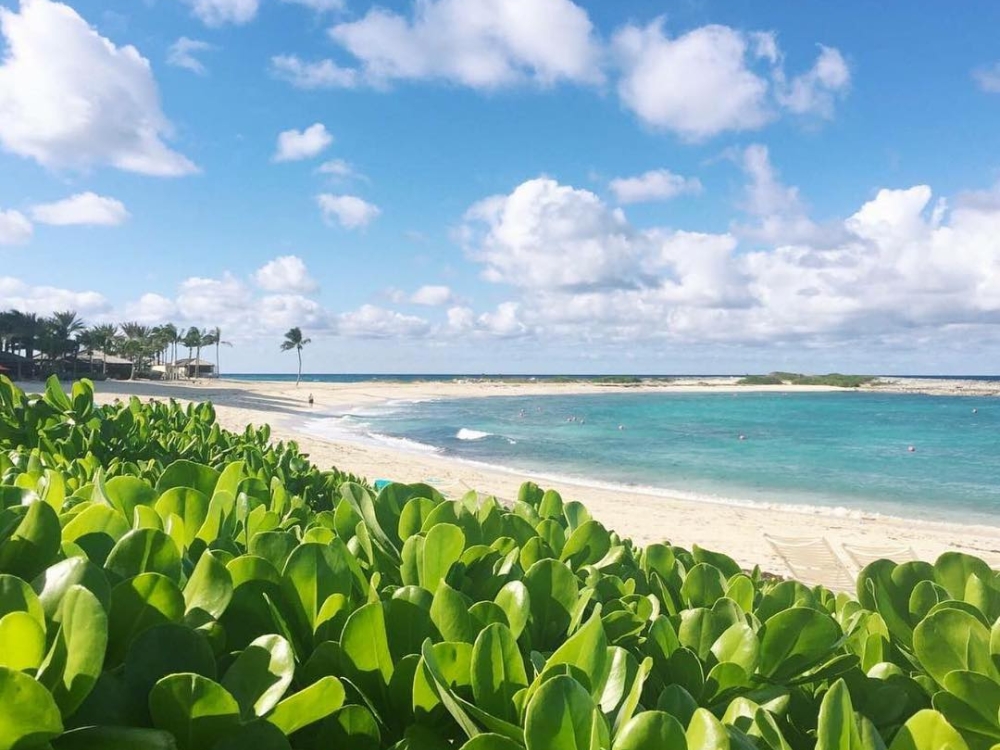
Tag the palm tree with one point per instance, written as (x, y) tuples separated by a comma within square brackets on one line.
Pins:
[(104, 339), (136, 344), (27, 329), (294, 340), (64, 325), (171, 337), (215, 337)]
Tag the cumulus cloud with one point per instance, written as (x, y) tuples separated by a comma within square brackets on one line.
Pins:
[(15, 229), (151, 309), (370, 321), (987, 78), (901, 265), (183, 54), (222, 12), (45, 300), (83, 208), (432, 295), (698, 84), (319, 74), (482, 44), (547, 235), (716, 78), (71, 98), (350, 211), (295, 145), (655, 185), (816, 91), (285, 274)]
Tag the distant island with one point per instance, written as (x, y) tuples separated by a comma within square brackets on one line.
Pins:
[(834, 379)]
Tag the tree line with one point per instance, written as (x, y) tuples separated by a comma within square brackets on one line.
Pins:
[(62, 340)]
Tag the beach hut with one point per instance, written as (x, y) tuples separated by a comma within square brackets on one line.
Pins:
[(195, 368)]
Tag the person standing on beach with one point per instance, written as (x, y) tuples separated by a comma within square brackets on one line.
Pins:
[(310, 399)]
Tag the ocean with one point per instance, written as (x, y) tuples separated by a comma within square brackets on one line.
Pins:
[(843, 452)]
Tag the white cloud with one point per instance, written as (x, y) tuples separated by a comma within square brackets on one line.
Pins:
[(45, 300), (350, 211), (295, 145), (477, 43), (655, 185), (432, 296), (901, 266), (320, 6), (285, 274), (546, 235), (369, 321), (71, 98), (779, 213), (222, 12), (15, 229), (716, 78), (339, 168), (182, 54), (987, 78), (83, 208), (151, 309), (697, 85), (321, 74), (816, 91)]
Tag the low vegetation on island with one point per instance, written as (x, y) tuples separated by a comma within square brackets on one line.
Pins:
[(165, 583), (835, 379)]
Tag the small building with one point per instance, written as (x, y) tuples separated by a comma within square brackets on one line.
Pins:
[(193, 368), (15, 366), (101, 363)]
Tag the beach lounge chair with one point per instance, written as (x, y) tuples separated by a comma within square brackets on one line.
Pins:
[(812, 561), (863, 555)]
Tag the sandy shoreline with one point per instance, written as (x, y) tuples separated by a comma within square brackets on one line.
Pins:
[(643, 516)]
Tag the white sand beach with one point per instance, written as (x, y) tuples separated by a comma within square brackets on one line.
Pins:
[(644, 516)]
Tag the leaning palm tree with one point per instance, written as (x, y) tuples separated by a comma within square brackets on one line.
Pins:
[(294, 340), (215, 337)]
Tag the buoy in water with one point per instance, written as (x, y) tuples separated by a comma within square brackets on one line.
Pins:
[(911, 449), (742, 436), (621, 427), (975, 411)]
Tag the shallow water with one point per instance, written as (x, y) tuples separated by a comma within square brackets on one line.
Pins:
[(846, 451)]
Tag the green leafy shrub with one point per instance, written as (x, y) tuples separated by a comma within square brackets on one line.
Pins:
[(230, 595)]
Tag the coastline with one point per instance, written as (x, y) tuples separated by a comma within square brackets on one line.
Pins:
[(644, 514)]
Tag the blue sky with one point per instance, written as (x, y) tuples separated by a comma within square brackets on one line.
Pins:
[(505, 185)]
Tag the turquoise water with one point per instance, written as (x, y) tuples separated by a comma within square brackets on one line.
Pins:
[(835, 450)]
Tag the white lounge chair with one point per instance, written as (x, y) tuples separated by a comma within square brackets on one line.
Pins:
[(812, 561), (863, 555)]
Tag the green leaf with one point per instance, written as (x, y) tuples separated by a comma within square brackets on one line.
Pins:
[(23, 642), (145, 551), (188, 504), (196, 710), (515, 602), (497, 672), (261, 674), (491, 742), (450, 614), (703, 586), (138, 604), (116, 738), (442, 548), (351, 727), (586, 649), (76, 657), (927, 730), (28, 714), (836, 728), (794, 640), (552, 590), (307, 706), (17, 596), (651, 729), (588, 543), (34, 544), (126, 493), (51, 586), (209, 589), (163, 650), (951, 639), (560, 716), (183, 473), (314, 572), (705, 732), (366, 647)]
